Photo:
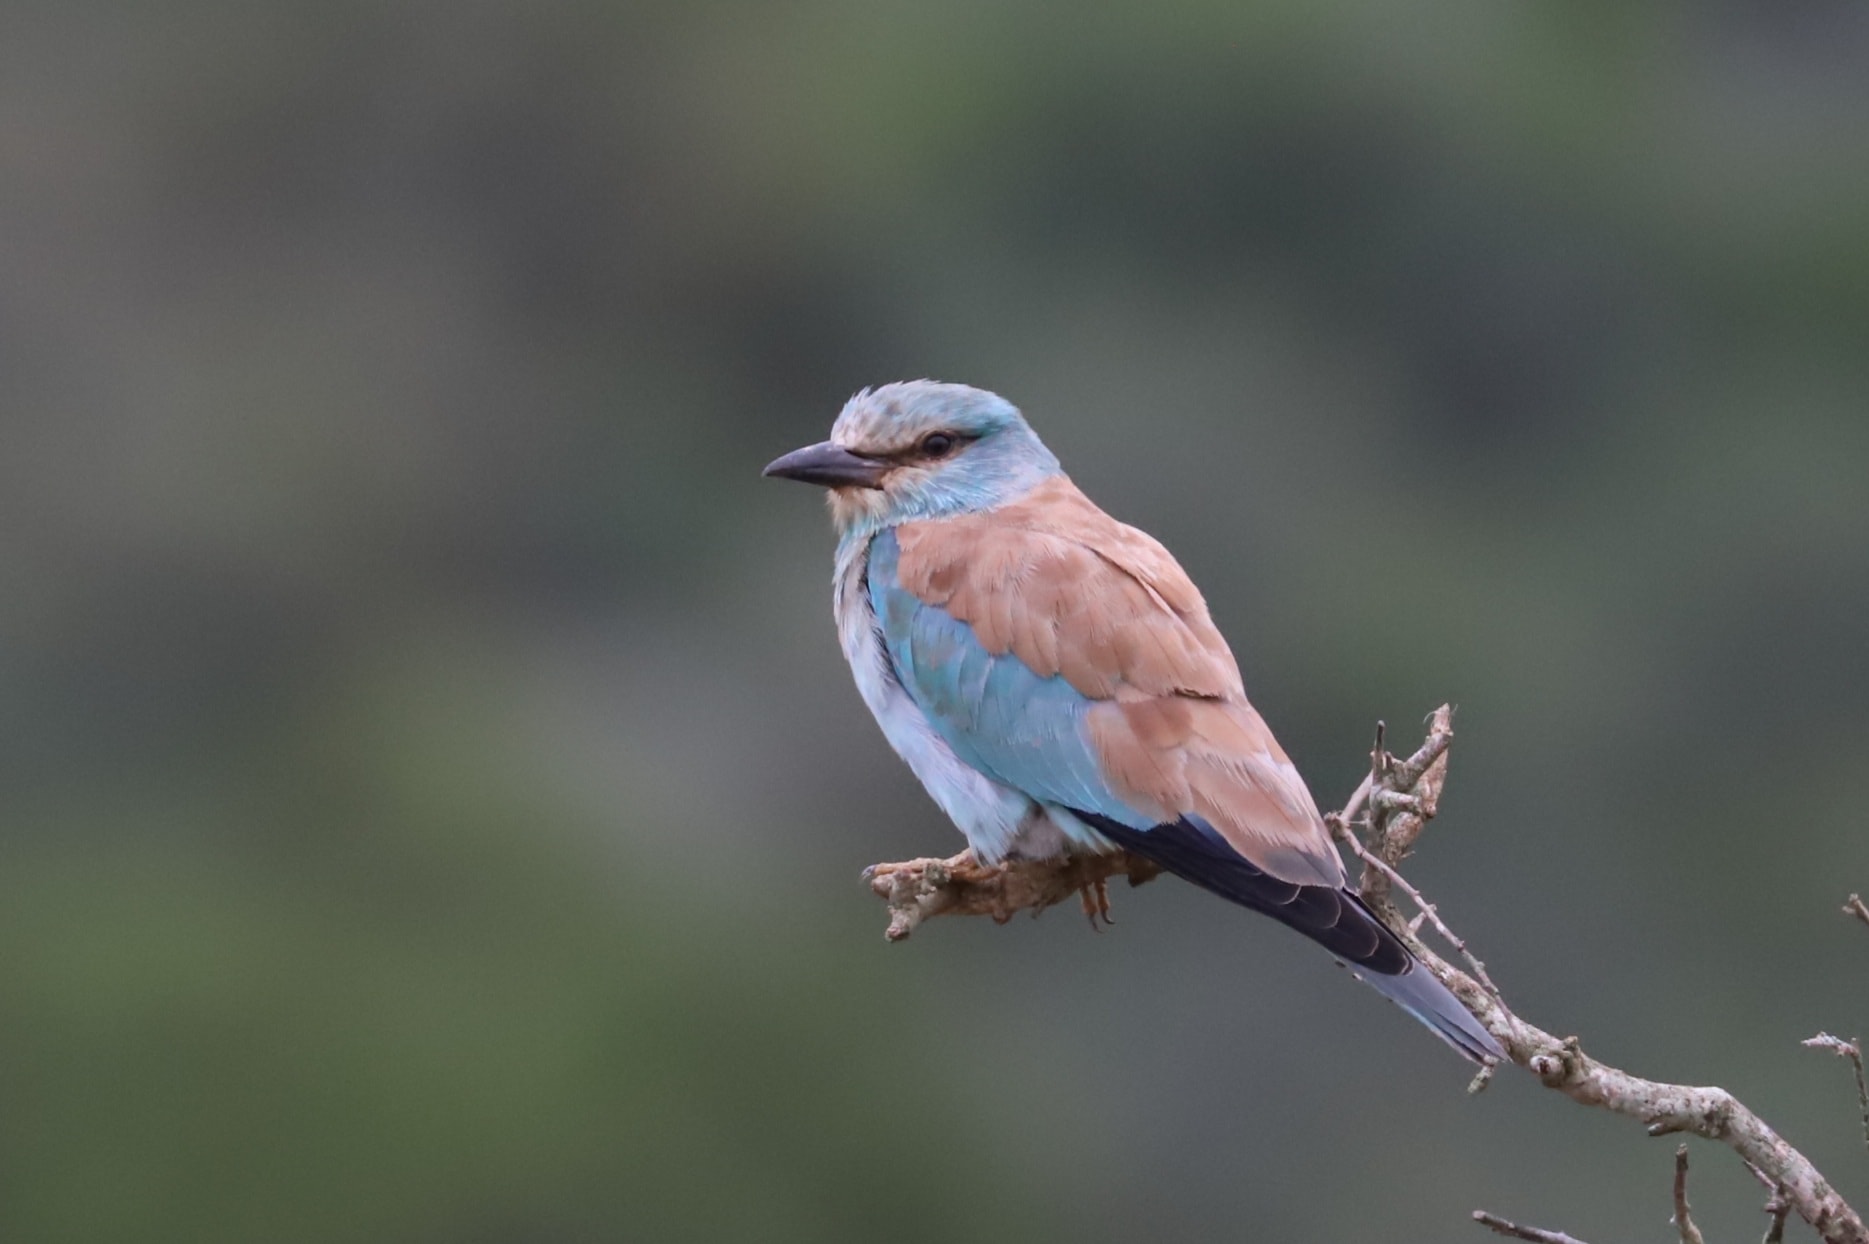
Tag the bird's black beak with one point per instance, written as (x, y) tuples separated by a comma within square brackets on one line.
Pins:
[(829, 465)]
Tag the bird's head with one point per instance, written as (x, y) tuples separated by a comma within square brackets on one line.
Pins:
[(919, 449)]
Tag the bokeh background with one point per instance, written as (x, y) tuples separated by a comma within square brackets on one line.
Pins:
[(434, 800)]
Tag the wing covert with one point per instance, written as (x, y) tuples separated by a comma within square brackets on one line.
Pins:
[(1020, 729), (1067, 655)]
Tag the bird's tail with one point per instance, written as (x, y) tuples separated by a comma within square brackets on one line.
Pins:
[(1333, 917), (1416, 991)]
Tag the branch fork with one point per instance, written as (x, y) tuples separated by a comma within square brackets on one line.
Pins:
[(1392, 807)]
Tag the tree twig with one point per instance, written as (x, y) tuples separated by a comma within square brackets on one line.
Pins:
[(1683, 1213), (1347, 836), (1779, 1207), (918, 890), (1404, 797), (1561, 1064), (1853, 1051), (1536, 1234), (1401, 796)]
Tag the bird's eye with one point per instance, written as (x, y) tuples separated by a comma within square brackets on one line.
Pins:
[(937, 445)]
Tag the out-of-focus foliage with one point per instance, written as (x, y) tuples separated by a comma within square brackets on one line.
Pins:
[(433, 798)]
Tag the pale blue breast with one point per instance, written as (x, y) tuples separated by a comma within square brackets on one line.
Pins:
[(993, 816)]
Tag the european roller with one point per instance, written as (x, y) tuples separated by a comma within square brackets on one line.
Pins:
[(1054, 680)]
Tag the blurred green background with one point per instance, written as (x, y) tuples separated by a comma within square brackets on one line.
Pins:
[(434, 800)]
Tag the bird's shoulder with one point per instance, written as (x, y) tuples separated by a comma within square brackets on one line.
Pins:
[(1053, 579)]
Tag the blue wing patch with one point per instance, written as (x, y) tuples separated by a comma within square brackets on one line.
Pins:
[(1019, 729), (1028, 733)]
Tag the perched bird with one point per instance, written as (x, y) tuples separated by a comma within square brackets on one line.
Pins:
[(1053, 678)]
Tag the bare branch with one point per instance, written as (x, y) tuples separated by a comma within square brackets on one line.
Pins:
[(1400, 797), (1712, 1113), (1683, 1213), (1779, 1207), (1855, 907), (1535, 1234), (1482, 1077), (1360, 795), (1561, 1064), (1404, 796), (1426, 909), (962, 886), (1853, 1051)]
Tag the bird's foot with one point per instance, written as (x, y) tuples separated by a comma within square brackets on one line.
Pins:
[(967, 869)]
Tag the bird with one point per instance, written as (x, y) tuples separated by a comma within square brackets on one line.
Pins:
[(1055, 681)]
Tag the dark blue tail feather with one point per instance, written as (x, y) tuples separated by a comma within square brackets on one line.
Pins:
[(1335, 918)]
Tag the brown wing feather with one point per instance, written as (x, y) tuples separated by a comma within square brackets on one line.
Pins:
[(1070, 591)]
